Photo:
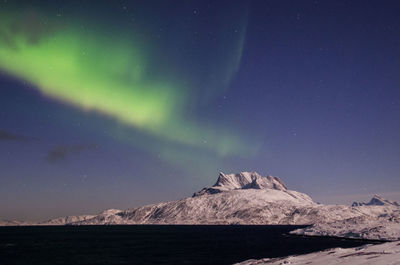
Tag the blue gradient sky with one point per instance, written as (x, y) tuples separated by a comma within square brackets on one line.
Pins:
[(304, 90)]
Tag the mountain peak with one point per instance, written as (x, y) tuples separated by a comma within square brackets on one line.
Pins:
[(376, 200), (242, 180)]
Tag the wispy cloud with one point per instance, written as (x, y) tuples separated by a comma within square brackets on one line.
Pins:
[(9, 136), (63, 152)]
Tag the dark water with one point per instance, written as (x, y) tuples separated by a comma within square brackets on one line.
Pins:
[(154, 244)]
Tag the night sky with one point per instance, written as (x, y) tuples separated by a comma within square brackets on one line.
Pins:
[(124, 103)]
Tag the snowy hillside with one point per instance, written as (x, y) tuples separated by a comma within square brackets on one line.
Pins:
[(10, 223), (66, 220), (233, 207), (383, 254), (79, 218), (250, 206)]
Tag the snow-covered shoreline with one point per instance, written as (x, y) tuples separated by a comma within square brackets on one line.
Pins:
[(381, 254)]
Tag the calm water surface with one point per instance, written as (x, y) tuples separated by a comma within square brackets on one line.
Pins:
[(147, 244)]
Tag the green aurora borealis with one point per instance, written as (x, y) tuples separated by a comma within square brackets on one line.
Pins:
[(118, 104), (94, 70)]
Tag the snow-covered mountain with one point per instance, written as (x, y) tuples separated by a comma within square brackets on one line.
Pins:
[(243, 198), (376, 200)]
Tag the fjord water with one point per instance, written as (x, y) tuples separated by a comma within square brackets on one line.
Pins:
[(154, 244)]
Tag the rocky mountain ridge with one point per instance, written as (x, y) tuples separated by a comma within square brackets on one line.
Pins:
[(378, 201), (242, 180)]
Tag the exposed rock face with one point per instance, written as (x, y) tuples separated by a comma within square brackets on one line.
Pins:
[(243, 180)]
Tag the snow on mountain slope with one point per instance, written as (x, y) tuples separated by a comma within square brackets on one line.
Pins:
[(65, 220), (79, 218), (248, 206), (382, 254), (10, 223)]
